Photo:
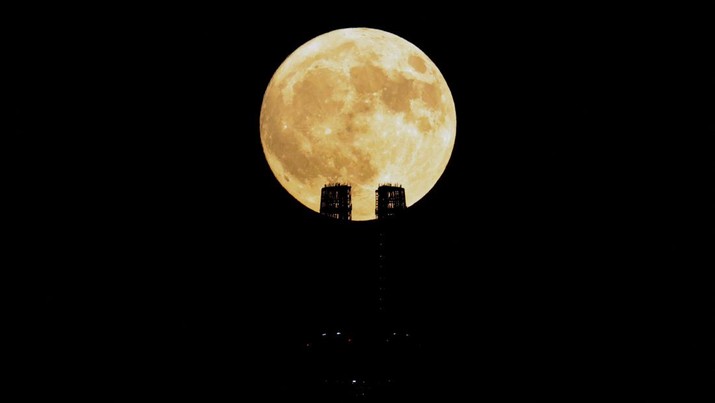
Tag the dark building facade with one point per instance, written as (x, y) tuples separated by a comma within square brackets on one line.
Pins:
[(389, 200), (365, 348), (335, 201)]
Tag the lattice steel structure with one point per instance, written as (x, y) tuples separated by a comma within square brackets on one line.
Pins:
[(335, 201), (389, 200)]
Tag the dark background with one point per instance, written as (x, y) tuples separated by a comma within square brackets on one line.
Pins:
[(559, 256)]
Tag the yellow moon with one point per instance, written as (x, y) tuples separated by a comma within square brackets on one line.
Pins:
[(359, 106)]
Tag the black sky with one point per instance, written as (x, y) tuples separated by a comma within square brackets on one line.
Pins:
[(552, 260)]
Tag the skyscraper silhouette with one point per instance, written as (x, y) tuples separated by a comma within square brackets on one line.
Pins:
[(374, 354), (389, 200), (335, 201)]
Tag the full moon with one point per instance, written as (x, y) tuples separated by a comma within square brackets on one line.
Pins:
[(357, 106)]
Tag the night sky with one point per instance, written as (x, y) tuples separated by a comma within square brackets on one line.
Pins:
[(556, 258)]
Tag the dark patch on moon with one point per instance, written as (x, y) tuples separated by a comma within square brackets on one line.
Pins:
[(418, 63)]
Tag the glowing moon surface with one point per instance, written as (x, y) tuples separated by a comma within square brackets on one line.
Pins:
[(358, 106)]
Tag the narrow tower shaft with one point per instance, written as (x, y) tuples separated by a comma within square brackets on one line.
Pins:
[(389, 202)]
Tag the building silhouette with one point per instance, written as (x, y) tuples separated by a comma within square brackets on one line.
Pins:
[(374, 354), (389, 200), (335, 201)]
